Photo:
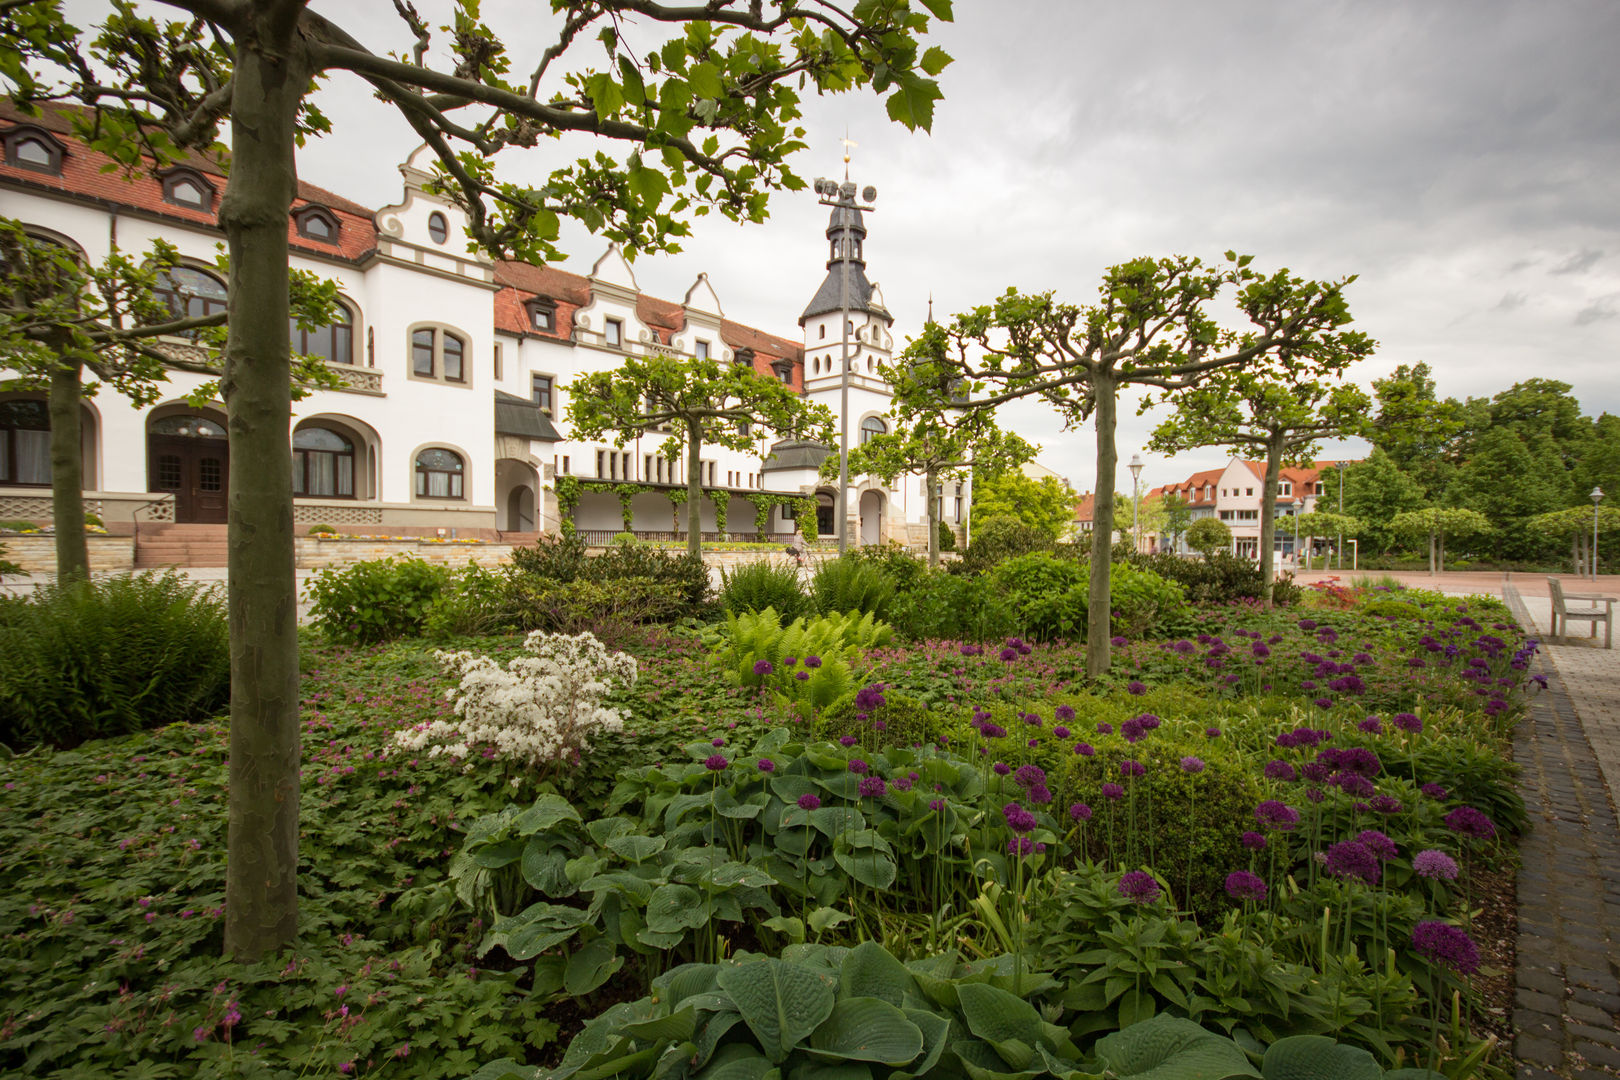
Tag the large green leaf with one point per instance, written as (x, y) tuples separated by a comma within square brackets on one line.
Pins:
[(867, 1029), (731, 875), (737, 1062), (539, 927), (998, 1017), (781, 1003), (591, 966), (936, 1029), (831, 1070), (983, 1063), (678, 1026), (636, 849), (545, 867), (868, 867), (1171, 1048), (674, 908), (548, 810), (636, 890), (1316, 1057), (872, 971)]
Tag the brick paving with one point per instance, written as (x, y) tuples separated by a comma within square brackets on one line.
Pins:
[(1567, 1010)]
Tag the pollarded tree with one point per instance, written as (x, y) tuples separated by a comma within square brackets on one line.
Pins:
[(1280, 417), (1177, 517), (1150, 327), (702, 120), (1326, 523), (1045, 503), (61, 317), (1434, 524), (1576, 525), (1209, 535), (933, 435), (704, 401)]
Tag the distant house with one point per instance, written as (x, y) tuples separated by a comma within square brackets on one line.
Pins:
[(1233, 494)]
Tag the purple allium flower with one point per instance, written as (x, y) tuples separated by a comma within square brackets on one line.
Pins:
[(1352, 784), (1020, 845), (718, 742), (936, 805), (809, 802), (1467, 821), (1307, 624), (1315, 772), (993, 731), (1435, 791), (1133, 731), (871, 787), (1372, 726), (1273, 815), (1113, 792), (1131, 768), (1358, 760), (1040, 795), (1029, 776), (1446, 945), (1118, 641), (1254, 841), (1184, 647), (1377, 843), (1009, 654), (1060, 732), (1001, 768), (1277, 769), (1323, 703), (1139, 887), (1435, 865), (1242, 885), (802, 676), (902, 783), (856, 765), (1192, 764), (1105, 728), (1079, 812), (812, 661), (763, 667), (789, 661), (1148, 721), (1064, 713), (1212, 733), (766, 765), (1084, 749), (1407, 722), (1136, 689), (1385, 804), (1352, 859), (1260, 650), (1019, 820), (715, 762)]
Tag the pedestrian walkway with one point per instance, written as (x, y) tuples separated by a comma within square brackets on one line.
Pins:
[(1566, 1018)]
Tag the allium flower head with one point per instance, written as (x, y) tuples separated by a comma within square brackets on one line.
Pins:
[(1352, 859), (994, 731), (1009, 654), (1277, 769), (767, 765), (1113, 792), (1084, 749), (871, 787), (763, 667), (847, 740), (1137, 689), (1467, 821), (1001, 768), (1372, 726), (1020, 845), (1254, 841), (1273, 815), (1377, 843), (1040, 795), (812, 661), (715, 762), (1139, 887), (1131, 768), (1019, 820), (1064, 713), (1060, 732), (1079, 812), (1118, 641), (1407, 722), (1446, 945), (809, 802), (936, 805), (1385, 804), (1029, 776), (1192, 764), (856, 765), (1435, 865), (1242, 885), (1104, 728), (1212, 733), (1435, 791)]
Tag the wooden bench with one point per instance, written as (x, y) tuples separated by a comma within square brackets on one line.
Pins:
[(1562, 612)]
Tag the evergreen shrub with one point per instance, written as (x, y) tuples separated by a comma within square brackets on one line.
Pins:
[(761, 584), (851, 584)]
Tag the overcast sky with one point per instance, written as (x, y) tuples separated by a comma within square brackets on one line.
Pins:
[(1460, 156)]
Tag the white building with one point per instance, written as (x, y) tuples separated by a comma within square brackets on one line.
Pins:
[(1234, 495), (455, 369)]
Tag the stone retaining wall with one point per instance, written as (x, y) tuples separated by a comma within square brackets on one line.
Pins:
[(37, 554)]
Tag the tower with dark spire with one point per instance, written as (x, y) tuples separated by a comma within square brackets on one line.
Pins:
[(846, 240)]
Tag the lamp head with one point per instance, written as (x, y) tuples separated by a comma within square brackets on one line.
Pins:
[(1136, 466), (1597, 495)]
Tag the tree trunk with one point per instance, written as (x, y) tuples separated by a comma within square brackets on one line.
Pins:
[(694, 489), (261, 876), (1442, 553), (67, 469), (1098, 610), (929, 477), (1268, 513)]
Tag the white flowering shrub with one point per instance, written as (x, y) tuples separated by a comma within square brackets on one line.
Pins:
[(538, 710)]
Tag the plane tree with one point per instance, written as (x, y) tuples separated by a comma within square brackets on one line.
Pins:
[(669, 111), (1151, 327), (1279, 417), (701, 401)]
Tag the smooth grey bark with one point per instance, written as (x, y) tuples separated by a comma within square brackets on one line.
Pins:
[(931, 478), (67, 469), (1099, 613), (1268, 512), (272, 75), (694, 488)]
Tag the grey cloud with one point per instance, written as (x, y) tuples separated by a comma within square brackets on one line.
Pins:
[(1578, 263), (1511, 301), (1597, 311)]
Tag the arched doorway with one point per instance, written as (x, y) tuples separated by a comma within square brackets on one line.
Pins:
[(871, 517), (520, 510), (826, 514), (187, 456)]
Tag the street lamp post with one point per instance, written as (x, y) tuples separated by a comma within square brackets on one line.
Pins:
[(843, 196), (1597, 497), (1136, 499)]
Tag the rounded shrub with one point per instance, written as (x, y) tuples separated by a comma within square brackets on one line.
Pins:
[(761, 584), (846, 584), (323, 530), (375, 600), (92, 659)]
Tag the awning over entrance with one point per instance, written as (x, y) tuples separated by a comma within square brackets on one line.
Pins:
[(523, 418)]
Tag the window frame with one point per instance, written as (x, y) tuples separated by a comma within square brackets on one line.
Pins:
[(541, 306), (613, 333), (173, 178), (299, 337), (351, 454), (175, 294), (8, 437), (867, 433), (305, 214), (55, 151), (550, 403), (419, 474), (440, 334), (441, 234)]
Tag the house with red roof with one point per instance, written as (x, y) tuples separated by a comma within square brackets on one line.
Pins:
[(454, 368), (1234, 494)]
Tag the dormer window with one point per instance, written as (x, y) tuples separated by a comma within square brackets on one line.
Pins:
[(613, 333), (701, 350), (187, 188), (33, 148), (318, 224), (542, 314)]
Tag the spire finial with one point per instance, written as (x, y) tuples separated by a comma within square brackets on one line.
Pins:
[(930, 305), (849, 144)]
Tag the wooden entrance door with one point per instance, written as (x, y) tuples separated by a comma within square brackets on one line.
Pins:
[(195, 470)]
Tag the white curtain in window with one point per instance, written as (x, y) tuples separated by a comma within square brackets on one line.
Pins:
[(33, 456)]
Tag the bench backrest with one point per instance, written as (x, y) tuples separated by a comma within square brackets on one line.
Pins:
[(1556, 591)]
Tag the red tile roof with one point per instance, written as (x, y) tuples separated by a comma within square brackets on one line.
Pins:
[(85, 175)]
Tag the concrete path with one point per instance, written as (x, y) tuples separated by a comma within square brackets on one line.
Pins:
[(1567, 1009)]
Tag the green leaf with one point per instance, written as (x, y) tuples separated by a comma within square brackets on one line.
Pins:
[(737, 1062), (635, 848), (731, 875), (1316, 1057), (870, 970), (935, 1030), (1170, 1048), (546, 867), (825, 918), (997, 1016), (1135, 1007), (781, 1003), (912, 102), (547, 811), (935, 60), (678, 1026), (786, 925), (591, 966), (867, 1029), (674, 908), (868, 868)]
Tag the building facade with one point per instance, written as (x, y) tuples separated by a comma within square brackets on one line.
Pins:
[(454, 368), (1234, 495)]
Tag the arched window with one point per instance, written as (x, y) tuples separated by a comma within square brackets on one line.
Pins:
[(872, 426), (333, 343), (437, 353), (33, 148), (191, 293), (316, 223), (323, 464), (183, 187), (187, 426), (25, 443), (438, 474)]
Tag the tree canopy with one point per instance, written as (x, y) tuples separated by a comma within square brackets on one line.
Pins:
[(1046, 503)]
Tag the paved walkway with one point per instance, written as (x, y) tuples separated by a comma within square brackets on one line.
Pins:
[(1567, 1008)]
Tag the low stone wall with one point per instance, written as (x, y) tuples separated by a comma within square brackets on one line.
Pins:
[(314, 553), (37, 554)]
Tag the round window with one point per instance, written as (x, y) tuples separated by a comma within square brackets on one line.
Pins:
[(438, 228)]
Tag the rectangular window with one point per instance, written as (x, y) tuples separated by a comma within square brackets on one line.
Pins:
[(540, 391), (613, 333), (1285, 488), (601, 464), (958, 508), (1226, 515), (701, 351), (498, 360), (452, 359), (646, 465), (422, 353), (1248, 491), (566, 470)]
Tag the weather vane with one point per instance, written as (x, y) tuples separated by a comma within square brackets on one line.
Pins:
[(849, 144)]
